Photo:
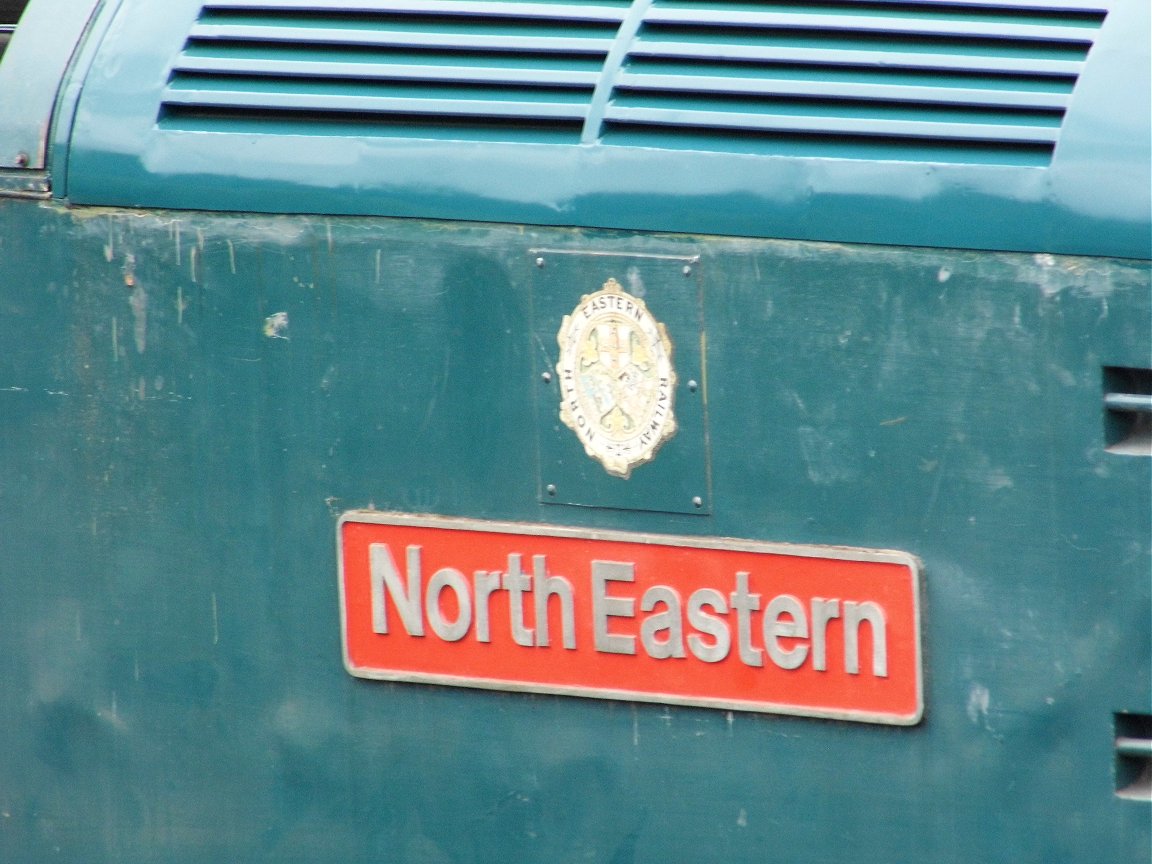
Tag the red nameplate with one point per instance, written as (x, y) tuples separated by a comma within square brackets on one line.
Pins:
[(814, 631)]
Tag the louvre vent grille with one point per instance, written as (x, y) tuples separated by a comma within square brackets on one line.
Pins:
[(511, 70), (932, 80), (983, 81)]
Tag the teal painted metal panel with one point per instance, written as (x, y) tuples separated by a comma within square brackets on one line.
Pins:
[(188, 402), (1021, 127)]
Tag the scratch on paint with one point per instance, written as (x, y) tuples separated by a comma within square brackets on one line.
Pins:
[(636, 282), (435, 393), (231, 257), (377, 266), (139, 303), (704, 367), (176, 236), (635, 728), (115, 342), (215, 621), (193, 256), (180, 304), (939, 466), (328, 227), (978, 701)]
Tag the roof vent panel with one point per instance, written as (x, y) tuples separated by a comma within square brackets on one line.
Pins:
[(973, 81), (455, 69)]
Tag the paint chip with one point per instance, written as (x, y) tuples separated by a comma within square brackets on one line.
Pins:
[(276, 326)]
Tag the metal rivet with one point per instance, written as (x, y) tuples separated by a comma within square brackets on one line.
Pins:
[(546, 377), (687, 270), (550, 489), (692, 385), (539, 262), (21, 160), (697, 502)]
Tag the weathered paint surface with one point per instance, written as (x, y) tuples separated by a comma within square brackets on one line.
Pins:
[(188, 402), (130, 144)]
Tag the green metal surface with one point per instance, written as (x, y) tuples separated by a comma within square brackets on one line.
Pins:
[(188, 401), (1018, 128)]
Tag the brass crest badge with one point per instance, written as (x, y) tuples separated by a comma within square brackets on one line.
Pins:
[(617, 384)]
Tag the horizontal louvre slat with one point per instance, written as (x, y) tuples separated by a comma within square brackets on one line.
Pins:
[(831, 125), (497, 7), (1049, 10), (345, 124), (398, 72), (1041, 6), (841, 90), (1139, 747), (374, 104), (886, 59), (477, 8), (815, 74), (840, 146), (399, 38), (1140, 403), (878, 25)]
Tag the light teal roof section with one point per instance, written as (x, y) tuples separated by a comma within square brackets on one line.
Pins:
[(30, 77), (997, 124)]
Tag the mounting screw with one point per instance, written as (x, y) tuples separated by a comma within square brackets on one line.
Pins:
[(550, 489), (21, 160), (539, 262), (692, 385), (546, 377), (687, 269), (697, 502)]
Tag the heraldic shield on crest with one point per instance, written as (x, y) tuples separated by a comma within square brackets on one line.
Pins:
[(617, 383)]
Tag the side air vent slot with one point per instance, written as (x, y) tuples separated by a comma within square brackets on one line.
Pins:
[(965, 81), (1134, 756), (1128, 411), (512, 70)]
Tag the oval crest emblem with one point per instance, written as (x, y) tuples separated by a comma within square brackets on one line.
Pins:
[(617, 383)]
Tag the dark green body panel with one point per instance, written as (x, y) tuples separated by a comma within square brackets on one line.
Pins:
[(175, 458)]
